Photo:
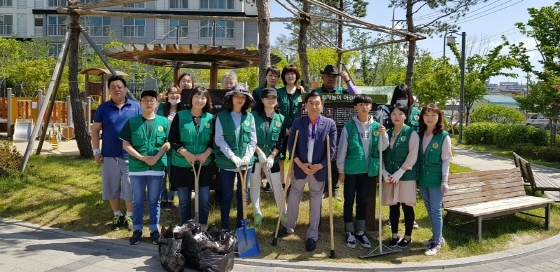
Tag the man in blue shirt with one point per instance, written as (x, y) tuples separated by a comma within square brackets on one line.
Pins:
[(110, 117)]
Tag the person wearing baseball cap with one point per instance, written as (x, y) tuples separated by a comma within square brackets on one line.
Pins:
[(329, 76), (144, 137)]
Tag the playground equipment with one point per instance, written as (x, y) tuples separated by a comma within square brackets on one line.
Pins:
[(22, 130)]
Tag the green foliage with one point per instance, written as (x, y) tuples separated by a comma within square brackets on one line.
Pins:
[(11, 159), (543, 98), (497, 114), (435, 80), (480, 133), (544, 153)]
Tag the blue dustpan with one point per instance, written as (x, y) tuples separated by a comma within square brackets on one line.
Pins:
[(247, 244)]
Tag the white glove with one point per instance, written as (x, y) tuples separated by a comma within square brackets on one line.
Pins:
[(444, 187), (236, 160), (246, 160), (261, 156), (386, 176), (269, 162), (395, 177)]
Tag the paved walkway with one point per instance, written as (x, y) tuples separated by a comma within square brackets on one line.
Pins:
[(29, 247)]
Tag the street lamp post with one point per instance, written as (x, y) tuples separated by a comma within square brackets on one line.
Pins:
[(448, 40), (462, 102)]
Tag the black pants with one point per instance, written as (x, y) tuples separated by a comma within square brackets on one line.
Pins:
[(395, 214), (356, 187), (334, 176)]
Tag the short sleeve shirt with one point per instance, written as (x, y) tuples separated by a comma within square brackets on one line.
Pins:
[(112, 121)]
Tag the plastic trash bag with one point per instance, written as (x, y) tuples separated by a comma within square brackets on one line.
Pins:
[(170, 255)]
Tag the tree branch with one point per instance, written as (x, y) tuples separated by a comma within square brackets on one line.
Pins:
[(419, 8)]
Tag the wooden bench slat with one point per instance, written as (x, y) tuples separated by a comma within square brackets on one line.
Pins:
[(474, 201), (476, 198), (537, 181), (482, 173), (499, 206)]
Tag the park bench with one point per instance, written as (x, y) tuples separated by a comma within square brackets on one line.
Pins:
[(487, 194), (537, 181)]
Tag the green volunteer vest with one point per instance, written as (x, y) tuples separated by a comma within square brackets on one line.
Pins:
[(395, 157), (355, 162), (238, 146), (266, 140), (430, 162), (196, 142), (337, 90), (413, 119), (147, 146), (287, 108)]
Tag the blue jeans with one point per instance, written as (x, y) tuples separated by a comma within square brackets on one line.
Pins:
[(165, 194), (184, 194), (228, 178), (139, 185), (433, 199)]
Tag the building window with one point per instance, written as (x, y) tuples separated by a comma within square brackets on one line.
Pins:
[(183, 28), (5, 3), (56, 25), (57, 3), (54, 49), (97, 26), (179, 4), (224, 29), (88, 1), (135, 5), (134, 27), (217, 4), (6, 25)]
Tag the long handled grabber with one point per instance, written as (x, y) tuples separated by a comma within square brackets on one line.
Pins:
[(330, 194), (196, 190), (381, 249), (247, 244), (286, 186)]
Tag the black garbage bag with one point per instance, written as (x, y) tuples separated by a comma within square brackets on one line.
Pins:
[(206, 252), (170, 255)]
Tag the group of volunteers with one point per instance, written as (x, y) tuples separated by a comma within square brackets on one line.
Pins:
[(146, 143)]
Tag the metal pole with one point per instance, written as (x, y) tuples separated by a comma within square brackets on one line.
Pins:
[(177, 30), (69, 119), (88, 113), (444, 44), (53, 86), (462, 102), (9, 110), (214, 33)]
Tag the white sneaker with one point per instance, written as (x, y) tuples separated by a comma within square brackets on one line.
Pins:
[(429, 241), (432, 250), (350, 240), (415, 225)]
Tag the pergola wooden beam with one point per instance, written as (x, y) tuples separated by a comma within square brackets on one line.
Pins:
[(107, 3)]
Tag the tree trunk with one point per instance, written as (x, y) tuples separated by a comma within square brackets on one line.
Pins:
[(302, 46), (411, 44), (263, 10), (83, 139)]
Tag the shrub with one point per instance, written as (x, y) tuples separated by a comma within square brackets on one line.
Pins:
[(11, 159), (544, 153), (509, 135), (497, 114), (477, 131)]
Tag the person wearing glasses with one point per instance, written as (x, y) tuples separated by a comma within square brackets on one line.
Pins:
[(168, 108), (191, 137), (400, 174), (110, 118), (310, 166), (235, 142), (145, 138)]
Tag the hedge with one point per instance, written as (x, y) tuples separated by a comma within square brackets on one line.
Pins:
[(504, 135)]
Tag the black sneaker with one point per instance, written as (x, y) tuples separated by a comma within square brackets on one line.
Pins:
[(394, 241), (363, 240), (136, 237), (310, 244), (350, 240), (117, 222), (283, 231), (404, 243), (154, 235), (169, 206)]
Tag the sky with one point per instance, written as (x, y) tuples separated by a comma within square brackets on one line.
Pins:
[(491, 20)]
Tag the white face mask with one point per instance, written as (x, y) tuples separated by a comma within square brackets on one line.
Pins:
[(403, 102), (174, 101)]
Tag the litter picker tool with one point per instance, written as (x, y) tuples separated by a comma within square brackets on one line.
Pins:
[(196, 189), (286, 186), (331, 219), (247, 244), (381, 249)]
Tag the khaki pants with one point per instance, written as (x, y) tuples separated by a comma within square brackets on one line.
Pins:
[(316, 199)]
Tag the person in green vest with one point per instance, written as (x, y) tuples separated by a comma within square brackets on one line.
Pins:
[(269, 124), (145, 139), (403, 94), (272, 76), (289, 98), (190, 136), (235, 142), (400, 174), (434, 157), (329, 76), (168, 108), (357, 158)]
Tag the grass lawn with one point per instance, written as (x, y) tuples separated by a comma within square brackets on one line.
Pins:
[(65, 192)]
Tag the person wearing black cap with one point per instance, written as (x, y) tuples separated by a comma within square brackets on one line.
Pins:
[(145, 139), (269, 124), (329, 76), (235, 142)]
